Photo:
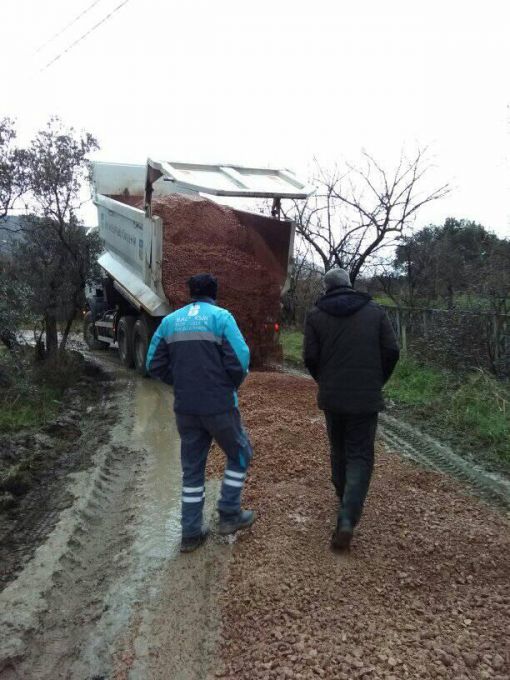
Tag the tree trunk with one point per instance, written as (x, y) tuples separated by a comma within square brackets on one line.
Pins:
[(50, 324), (8, 338), (450, 296), (67, 329)]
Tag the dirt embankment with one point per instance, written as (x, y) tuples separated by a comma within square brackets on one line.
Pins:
[(35, 464), (424, 594)]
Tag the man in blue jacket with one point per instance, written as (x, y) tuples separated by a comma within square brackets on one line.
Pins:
[(200, 350)]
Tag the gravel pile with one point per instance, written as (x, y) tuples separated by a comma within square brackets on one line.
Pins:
[(202, 236), (425, 592)]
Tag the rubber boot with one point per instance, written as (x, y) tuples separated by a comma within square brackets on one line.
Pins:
[(342, 536), (191, 543), (229, 524)]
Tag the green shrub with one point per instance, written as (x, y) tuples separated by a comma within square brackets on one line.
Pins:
[(470, 409), (31, 391), (473, 408), (414, 384), (28, 410), (292, 343), (481, 405)]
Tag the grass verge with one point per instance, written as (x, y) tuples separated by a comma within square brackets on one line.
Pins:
[(28, 410), (471, 411), (31, 392), (292, 343)]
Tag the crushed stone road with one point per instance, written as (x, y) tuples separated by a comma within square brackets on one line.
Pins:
[(424, 593)]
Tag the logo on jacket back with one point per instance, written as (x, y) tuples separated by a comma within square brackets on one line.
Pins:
[(194, 310)]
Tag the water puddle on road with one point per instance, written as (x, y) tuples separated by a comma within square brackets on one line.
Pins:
[(155, 431), (168, 633)]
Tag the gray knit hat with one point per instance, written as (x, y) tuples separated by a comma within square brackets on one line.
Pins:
[(337, 277)]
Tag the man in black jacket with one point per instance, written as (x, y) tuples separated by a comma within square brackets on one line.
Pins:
[(350, 350)]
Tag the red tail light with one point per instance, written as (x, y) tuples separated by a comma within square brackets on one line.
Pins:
[(276, 327)]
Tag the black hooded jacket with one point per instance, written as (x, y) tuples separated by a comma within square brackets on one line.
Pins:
[(350, 350)]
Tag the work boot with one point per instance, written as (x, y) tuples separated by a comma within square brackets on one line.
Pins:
[(342, 536), (191, 543), (229, 524)]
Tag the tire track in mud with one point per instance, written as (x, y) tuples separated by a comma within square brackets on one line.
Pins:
[(403, 438), (58, 599), (63, 447), (107, 595), (96, 556)]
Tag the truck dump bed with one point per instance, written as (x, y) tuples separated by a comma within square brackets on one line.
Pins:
[(248, 253), (156, 239)]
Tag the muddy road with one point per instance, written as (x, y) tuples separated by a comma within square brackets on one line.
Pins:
[(86, 604), (106, 594)]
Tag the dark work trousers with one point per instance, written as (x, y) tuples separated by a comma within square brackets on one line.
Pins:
[(351, 439), (197, 434)]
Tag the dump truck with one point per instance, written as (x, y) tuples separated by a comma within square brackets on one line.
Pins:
[(163, 222)]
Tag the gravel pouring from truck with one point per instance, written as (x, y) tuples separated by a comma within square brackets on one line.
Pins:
[(158, 230)]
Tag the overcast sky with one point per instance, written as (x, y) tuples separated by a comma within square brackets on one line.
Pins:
[(277, 82)]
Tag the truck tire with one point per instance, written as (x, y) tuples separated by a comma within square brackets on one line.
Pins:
[(125, 340), (141, 340), (89, 333)]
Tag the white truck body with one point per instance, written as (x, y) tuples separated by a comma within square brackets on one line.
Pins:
[(133, 253)]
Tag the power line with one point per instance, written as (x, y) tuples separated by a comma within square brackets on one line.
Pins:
[(85, 35), (71, 23)]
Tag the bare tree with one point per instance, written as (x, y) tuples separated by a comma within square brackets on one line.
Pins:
[(357, 213), (305, 280)]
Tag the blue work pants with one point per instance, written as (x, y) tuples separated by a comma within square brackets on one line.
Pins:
[(197, 433)]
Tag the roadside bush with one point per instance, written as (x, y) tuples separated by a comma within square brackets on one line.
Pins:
[(292, 343), (482, 405), (60, 372), (469, 409), (31, 391)]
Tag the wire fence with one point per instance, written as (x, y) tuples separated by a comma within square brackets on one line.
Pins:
[(455, 339)]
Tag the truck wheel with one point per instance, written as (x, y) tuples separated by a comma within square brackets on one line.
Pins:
[(125, 340), (141, 340), (89, 333)]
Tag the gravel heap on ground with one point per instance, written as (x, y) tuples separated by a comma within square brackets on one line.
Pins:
[(202, 236), (425, 592)]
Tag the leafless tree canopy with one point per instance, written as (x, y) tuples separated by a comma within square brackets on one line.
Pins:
[(356, 213), (304, 285)]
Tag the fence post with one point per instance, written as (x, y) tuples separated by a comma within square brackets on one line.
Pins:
[(505, 344), (495, 340), (403, 335), (397, 322)]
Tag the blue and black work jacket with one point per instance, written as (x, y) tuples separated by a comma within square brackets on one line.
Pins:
[(200, 350)]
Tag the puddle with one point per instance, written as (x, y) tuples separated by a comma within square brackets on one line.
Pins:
[(155, 431)]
